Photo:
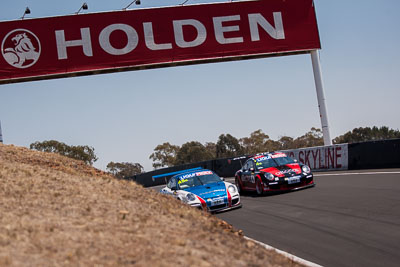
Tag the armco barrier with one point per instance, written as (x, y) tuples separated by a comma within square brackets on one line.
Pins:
[(365, 155), (374, 155)]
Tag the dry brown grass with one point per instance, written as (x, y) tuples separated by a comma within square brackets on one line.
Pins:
[(55, 211)]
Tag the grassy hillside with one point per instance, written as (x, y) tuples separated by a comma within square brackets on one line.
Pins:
[(58, 211)]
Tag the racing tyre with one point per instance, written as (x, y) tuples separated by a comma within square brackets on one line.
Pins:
[(238, 186), (259, 188)]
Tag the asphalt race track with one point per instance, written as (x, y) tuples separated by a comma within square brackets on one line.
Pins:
[(347, 219)]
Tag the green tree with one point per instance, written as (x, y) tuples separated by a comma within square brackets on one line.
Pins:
[(312, 138), (164, 155), (212, 148), (191, 152), (124, 169), (286, 142), (258, 142), (84, 153), (228, 146), (367, 134)]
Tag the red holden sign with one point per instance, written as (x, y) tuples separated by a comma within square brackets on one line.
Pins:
[(73, 45)]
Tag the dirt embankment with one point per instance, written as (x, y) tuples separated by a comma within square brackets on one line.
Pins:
[(55, 211)]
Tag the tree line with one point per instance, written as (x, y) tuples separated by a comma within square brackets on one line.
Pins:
[(168, 155)]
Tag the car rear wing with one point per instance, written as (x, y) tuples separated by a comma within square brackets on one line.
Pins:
[(170, 174)]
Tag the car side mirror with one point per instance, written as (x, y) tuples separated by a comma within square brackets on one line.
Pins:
[(222, 178), (252, 169), (295, 160), (174, 188)]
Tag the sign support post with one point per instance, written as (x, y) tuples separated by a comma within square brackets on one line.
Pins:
[(1, 136), (321, 97)]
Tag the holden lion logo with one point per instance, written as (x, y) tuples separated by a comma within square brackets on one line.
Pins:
[(21, 48)]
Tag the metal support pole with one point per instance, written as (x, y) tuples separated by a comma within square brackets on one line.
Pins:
[(1, 135), (321, 97)]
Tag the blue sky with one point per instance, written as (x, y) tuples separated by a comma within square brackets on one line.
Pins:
[(124, 116)]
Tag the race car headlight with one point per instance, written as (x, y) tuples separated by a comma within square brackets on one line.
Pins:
[(191, 197), (269, 176), (232, 189), (306, 169)]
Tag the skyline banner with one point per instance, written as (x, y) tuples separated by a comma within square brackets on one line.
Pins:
[(85, 44), (322, 158)]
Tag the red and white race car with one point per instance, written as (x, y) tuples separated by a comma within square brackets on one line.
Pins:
[(267, 172)]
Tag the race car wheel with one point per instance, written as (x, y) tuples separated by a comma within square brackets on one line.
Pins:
[(259, 188), (238, 186)]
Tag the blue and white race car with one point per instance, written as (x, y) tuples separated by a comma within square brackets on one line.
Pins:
[(203, 189)]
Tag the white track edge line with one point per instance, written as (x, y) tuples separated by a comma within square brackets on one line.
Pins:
[(287, 255)]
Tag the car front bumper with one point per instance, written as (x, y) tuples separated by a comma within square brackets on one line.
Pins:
[(235, 203), (284, 185)]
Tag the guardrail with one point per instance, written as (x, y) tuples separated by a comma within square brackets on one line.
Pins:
[(365, 155), (374, 155)]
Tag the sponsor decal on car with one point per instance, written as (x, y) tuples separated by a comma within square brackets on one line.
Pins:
[(216, 201), (185, 176), (293, 180), (258, 157), (182, 181), (278, 155), (213, 191), (203, 173), (263, 158), (282, 172)]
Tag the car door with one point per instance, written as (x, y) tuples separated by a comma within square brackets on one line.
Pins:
[(246, 174), (251, 174)]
